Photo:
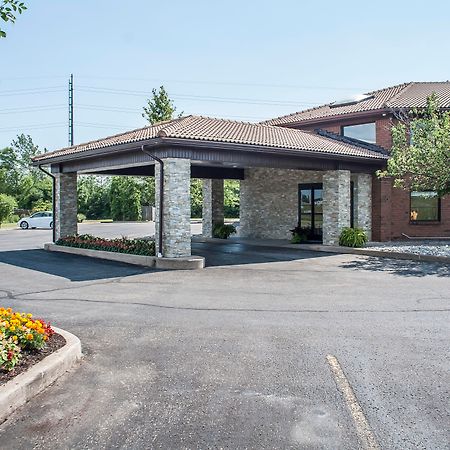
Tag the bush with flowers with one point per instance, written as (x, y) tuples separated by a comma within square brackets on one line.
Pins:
[(120, 245), (19, 333)]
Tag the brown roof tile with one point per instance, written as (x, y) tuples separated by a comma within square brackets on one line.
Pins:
[(406, 95), (226, 131)]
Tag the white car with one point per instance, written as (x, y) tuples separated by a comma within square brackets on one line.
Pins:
[(41, 219)]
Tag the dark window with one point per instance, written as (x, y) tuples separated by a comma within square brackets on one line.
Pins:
[(425, 206), (364, 132)]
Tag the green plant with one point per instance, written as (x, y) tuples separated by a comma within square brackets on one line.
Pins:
[(13, 218), (80, 217), (10, 353), (352, 237), (223, 231), (300, 234), (7, 206), (42, 205)]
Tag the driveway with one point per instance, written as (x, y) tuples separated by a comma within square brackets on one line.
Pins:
[(263, 349)]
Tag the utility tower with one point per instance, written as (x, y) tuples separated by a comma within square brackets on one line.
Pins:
[(71, 110)]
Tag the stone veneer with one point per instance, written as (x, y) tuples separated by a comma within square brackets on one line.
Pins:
[(176, 208), (269, 201), (65, 220), (363, 202), (336, 204), (212, 213)]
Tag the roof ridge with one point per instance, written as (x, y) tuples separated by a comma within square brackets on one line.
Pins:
[(397, 95)]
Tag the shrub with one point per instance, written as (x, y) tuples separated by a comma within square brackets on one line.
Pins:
[(352, 237), (80, 217), (223, 231), (13, 218), (119, 245), (20, 332), (42, 205), (300, 234), (7, 206)]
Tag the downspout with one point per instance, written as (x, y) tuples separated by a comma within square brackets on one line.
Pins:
[(53, 201), (161, 199)]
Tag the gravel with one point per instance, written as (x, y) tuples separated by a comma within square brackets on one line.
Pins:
[(435, 248)]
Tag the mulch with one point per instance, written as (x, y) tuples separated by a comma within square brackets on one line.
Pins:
[(30, 358)]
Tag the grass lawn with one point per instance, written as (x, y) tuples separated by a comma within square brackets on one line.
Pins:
[(5, 225)]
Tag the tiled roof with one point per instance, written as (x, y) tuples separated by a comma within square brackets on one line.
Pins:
[(406, 95), (225, 131)]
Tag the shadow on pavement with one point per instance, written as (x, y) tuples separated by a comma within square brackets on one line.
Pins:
[(399, 267), (231, 254), (72, 267)]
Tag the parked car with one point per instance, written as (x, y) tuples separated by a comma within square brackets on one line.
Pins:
[(40, 219)]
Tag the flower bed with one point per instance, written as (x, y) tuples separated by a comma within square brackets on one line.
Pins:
[(22, 339), (120, 245)]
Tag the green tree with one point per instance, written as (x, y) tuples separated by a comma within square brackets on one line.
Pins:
[(160, 107), (125, 195), (19, 178), (420, 155), (94, 196), (231, 198), (8, 12), (7, 206)]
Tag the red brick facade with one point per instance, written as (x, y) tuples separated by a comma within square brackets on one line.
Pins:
[(391, 206)]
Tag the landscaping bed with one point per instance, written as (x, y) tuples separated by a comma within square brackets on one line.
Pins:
[(30, 358), (416, 247), (143, 247), (24, 341)]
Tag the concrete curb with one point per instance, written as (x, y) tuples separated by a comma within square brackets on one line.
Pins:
[(333, 249), (183, 263), (16, 392)]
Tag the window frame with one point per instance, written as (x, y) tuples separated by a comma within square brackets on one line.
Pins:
[(374, 122), (424, 221)]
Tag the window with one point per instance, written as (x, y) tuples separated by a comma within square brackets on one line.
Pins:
[(425, 206), (364, 132)]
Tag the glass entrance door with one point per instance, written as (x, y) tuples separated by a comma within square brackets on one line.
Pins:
[(311, 209)]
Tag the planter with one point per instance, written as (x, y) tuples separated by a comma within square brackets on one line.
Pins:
[(184, 263)]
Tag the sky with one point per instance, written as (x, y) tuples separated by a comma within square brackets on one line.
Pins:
[(243, 60)]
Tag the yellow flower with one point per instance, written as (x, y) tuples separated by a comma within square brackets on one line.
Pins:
[(29, 337), (29, 324), (15, 338), (12, 328), (29, 315)]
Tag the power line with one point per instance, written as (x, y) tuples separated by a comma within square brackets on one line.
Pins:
[(99, 90), (26, 109), (36, 126)]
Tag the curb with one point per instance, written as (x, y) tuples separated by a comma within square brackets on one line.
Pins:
[(18, 391), (182, 263), (333, 249)]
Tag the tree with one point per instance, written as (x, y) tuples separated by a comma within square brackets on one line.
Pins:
[(7, 206), (159, 107), (125, 197), (17, 176), (420, 154), (9, 10)]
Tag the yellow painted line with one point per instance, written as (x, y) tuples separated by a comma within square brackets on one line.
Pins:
[(363, 430)]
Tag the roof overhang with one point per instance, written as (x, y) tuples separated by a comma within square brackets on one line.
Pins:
[(205, 154)]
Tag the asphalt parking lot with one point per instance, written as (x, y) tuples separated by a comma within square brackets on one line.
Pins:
[(262, 349)]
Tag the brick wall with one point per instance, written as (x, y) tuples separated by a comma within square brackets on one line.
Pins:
[(391, 206)]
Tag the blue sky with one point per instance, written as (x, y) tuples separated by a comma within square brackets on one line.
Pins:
[(244, 60)]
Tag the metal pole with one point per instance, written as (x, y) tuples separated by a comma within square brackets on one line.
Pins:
[(53, 201), (71, 110), (161, 199)]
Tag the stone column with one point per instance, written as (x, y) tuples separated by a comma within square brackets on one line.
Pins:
[(65, 220), (336, 204), (176, 207), (363, 202), (212, 213)]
